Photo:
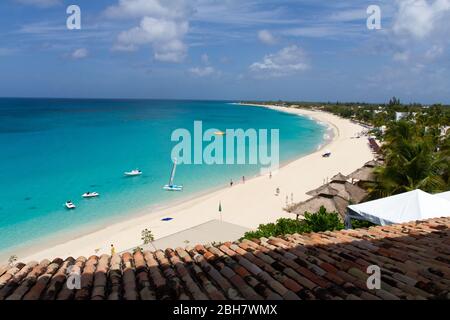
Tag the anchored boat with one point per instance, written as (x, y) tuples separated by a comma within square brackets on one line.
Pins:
[(69, 205), (133, 173), (90, 195)]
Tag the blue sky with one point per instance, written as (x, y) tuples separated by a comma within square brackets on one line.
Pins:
[(226, 49)]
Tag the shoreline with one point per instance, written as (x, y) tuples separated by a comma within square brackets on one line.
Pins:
[(202, 207), (60, 237)]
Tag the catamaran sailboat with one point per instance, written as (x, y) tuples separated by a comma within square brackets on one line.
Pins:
[(171, 186)]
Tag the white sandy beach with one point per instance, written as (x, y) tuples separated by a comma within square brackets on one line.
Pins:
[(246, 205)]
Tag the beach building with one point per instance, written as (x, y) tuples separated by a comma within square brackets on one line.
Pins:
[(327, 265), (400, 115)]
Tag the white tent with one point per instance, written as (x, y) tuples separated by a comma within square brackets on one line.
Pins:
[(444, 195), (401, 208)]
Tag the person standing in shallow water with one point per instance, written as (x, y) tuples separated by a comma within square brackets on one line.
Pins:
[(243, 179), (113, 250), (231, 183)]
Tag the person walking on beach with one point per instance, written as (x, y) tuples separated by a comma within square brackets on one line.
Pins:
[(231, 183), (113, 250), (270, 175)]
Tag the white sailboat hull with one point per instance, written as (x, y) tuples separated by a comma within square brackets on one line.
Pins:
[(132, 174), (173, 188)]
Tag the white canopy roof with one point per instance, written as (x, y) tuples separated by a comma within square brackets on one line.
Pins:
[(444, 195), (401, 208)]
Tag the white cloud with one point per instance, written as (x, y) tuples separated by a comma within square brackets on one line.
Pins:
[(349, 15), (205, 58), (162, 34), (173, 9), (434, 52), (163, 26), (203, 71), (401, 56), (287, 61), (420, 31), (265, 36), (40, 3), (313, 32), (80, 53), (418, 18)]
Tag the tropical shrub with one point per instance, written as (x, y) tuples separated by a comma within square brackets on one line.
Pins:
[(322, 221), (147, 236), (313, 222)]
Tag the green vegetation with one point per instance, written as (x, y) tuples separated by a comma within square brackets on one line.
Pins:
[(137, 249), (374, 114), (358, 224), (416, 157), (12, 259), (315, 222), (147, 236)]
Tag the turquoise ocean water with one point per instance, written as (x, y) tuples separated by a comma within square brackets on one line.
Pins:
[(53, 150)]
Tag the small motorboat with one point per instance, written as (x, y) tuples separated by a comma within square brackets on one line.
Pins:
[(90, 195), (69, 205), (133, 173)]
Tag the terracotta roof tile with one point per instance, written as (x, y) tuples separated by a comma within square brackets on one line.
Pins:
[(414, 259)]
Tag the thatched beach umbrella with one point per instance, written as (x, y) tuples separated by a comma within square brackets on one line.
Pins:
[(364, 174), (346, 190), (339, 178), (313, 205), (339, 186), (326, 189), (371, 164)]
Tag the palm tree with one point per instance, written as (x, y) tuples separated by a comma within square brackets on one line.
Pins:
[(412, 161), (444, 154)]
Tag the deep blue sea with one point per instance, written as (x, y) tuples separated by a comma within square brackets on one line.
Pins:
[(53, 150)]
